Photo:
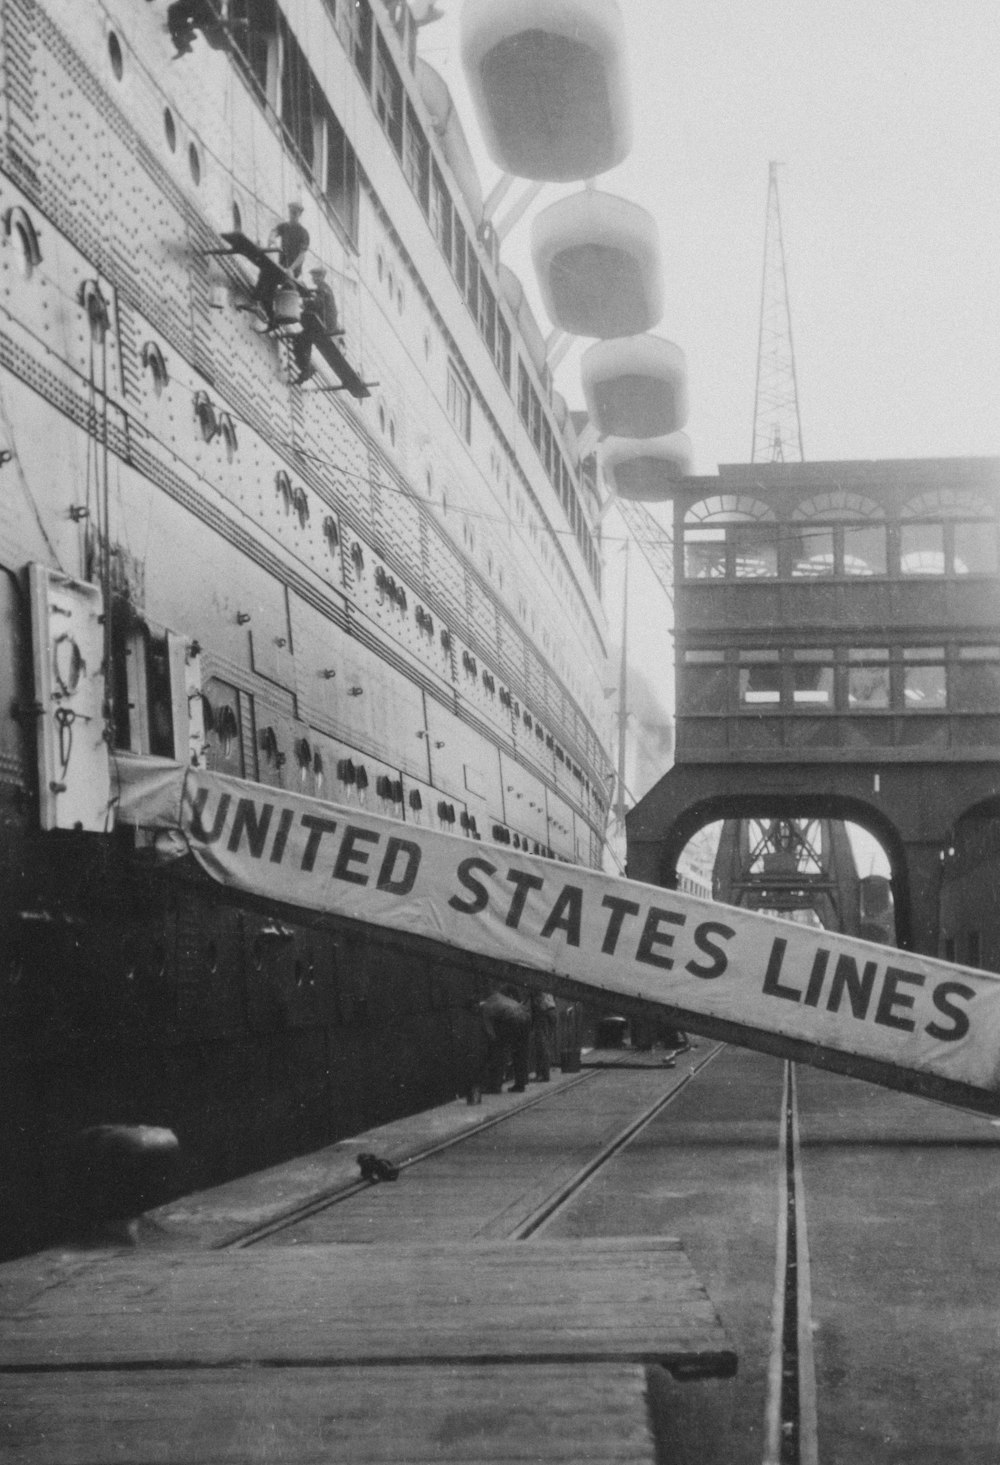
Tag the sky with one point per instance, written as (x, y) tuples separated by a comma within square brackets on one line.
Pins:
[(883, 115)]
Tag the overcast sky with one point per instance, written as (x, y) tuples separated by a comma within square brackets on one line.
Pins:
[(884, 114)]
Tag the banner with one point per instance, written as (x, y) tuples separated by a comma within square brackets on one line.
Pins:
[(618, 937)]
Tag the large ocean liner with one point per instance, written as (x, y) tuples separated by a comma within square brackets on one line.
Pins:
[(301, 507)]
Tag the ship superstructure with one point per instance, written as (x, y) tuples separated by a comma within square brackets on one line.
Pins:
[(370, 572)]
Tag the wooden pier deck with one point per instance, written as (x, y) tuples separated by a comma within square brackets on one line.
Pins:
[(480, 1351)]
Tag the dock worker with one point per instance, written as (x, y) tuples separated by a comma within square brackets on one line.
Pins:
[(508, 1039), (291, 239), (320, 313), (543, 1034)]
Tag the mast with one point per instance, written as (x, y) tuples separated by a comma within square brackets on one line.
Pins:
[(777, 425)]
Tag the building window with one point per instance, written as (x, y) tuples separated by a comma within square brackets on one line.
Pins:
[(865, 549), (924, 687), (868, 679), (705, 554), (459, 402), (760, 679), (921, 549), (812, 551), (812, 678), (705, 683), (975, 680), (975, 549), (755, 551)]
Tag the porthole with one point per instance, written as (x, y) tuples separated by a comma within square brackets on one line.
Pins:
[(381, 420), (391, 282), (392, 431), (379, 265), (115, 56), (170, 129), (237, 218), (427, 345), (429, 481), (400, 299), (194, 163)]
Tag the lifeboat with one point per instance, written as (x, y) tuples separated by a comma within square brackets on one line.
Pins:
[(646, 469), (597, 258), (548, 80), (635, 386)]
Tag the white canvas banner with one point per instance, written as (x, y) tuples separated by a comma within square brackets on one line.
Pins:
[(617, 936)]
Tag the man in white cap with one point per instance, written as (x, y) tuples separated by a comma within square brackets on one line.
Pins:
[(320, 314), (291, 238)]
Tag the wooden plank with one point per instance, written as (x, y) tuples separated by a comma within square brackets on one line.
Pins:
[(625, 1299), (551, 1414)]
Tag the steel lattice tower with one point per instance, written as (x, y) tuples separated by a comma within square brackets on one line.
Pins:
[(777, 426)]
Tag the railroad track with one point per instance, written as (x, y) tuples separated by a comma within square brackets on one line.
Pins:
[(349, 1211)]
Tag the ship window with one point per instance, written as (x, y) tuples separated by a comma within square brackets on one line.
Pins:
[(502, 350), (115, 56), (472, 279), (297, 86), (389, 96), (975, 549), (237, 218), (253, 25), (488, 316), (417, 159), (459, 253), (354, 23), (170, 129), (459, 402), (441, 212), (341, 185), (194, 163)]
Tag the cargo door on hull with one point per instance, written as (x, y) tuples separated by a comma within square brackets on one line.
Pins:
[(68, 659)]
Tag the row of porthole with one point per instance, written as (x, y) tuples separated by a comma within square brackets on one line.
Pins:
[(117, 60)]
